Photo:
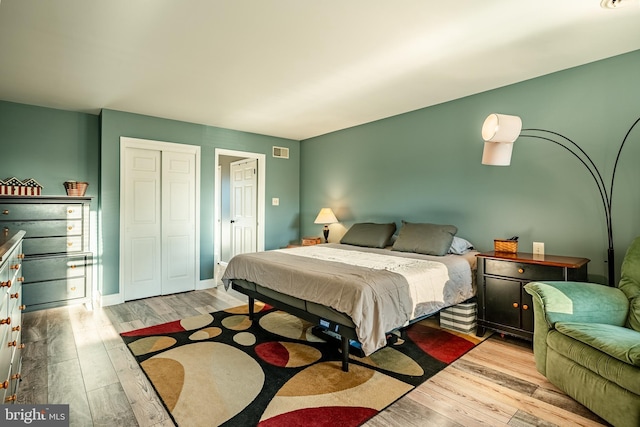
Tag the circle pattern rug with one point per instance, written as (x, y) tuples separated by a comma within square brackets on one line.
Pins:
[(222, 369)]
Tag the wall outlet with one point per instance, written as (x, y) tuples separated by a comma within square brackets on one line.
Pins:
[(275, 201), (538, 248)]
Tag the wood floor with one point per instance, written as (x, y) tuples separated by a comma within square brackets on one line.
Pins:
[(76, 356)]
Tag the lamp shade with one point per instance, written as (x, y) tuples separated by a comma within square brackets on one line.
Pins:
[(501, 128), (497, 153), (326, 216)]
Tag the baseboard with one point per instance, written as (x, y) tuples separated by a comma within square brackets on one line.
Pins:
[(206, 284), (112, 299)]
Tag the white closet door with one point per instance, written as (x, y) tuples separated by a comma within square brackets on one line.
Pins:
[(159, 218), (244, 211), (142, 223), (178, 222)]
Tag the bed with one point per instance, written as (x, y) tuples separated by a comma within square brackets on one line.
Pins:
[(364, 287)]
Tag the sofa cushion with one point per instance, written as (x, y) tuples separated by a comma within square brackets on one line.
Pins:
[(621, 343), (623, 374), (630, 283)]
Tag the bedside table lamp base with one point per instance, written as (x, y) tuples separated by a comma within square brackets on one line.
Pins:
[(326, 217), (325, 231)]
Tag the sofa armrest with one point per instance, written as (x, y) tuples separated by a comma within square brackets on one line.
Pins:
[(571, 302), (580, 302)]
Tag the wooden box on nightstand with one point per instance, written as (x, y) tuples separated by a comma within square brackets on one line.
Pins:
[(310, 241)]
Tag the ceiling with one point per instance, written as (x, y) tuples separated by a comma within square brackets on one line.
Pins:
[(292, 68)]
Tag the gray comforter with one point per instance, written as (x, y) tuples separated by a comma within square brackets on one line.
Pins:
[(380, 290)]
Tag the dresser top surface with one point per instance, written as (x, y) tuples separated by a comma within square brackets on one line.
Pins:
[(529, 258), (44, 199)]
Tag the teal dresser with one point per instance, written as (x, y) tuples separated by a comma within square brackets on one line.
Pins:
[(10, 315), (58, 258)]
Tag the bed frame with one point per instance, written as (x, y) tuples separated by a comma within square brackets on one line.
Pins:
[(329, 323), (298, 308)]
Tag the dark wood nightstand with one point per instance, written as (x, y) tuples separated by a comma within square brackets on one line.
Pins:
[(503, 305)]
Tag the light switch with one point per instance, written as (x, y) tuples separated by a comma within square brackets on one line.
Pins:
[(275, 201)]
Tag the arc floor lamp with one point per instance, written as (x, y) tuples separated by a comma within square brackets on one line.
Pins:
[(500, 131)]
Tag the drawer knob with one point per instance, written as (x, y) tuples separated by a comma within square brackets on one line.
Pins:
[(4, 385), (20, 256), (70, 227), (13, 343), (521, 270), (16, 295), (515, 305), (15, 267), (22, 307), (73, 289), (21, 346), (20, 279), (70, 211), (6, 284), (5, 212), (525, 307), (5, 321), (69, 244), (11, 398), (16, 376), (72, 266), (16, 329)]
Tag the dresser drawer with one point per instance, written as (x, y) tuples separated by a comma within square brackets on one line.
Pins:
[(5, 311), (53, 291), (523, 271), (6, 353), (28, 211), (59, 267), (45, 228), (16, 367), (52, 245)]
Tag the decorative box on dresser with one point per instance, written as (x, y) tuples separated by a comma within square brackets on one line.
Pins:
[(503, 305), (58, 259), (10, 314)]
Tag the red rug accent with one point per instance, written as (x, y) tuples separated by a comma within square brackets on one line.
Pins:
[(273, 352), (165, 328), (439, 343), (321, 417)]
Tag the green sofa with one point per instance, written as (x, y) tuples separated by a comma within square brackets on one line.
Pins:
[(586, 341)]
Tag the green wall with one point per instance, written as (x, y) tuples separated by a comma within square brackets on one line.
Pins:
[(50, 146), (281, 181), (425, 166)]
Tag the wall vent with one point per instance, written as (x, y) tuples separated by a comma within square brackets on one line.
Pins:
[(281, 152)]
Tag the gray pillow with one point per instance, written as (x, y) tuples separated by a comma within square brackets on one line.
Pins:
[(428, 239), (369, 234)]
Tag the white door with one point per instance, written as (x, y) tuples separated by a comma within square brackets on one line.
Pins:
[(142, 223), (244, 211), (178, 222), (159, 218)]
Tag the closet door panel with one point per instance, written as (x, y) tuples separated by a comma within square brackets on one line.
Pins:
[(178, 222), (142, 223)]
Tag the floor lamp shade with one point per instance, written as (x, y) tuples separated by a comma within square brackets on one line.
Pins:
[(501, 128)]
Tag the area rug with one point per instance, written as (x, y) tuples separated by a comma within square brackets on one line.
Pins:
[(221, 369)]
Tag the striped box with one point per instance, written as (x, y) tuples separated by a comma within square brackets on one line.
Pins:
[(461, 317)]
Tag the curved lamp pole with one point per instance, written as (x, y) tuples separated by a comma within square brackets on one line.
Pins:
[(500, 131)]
